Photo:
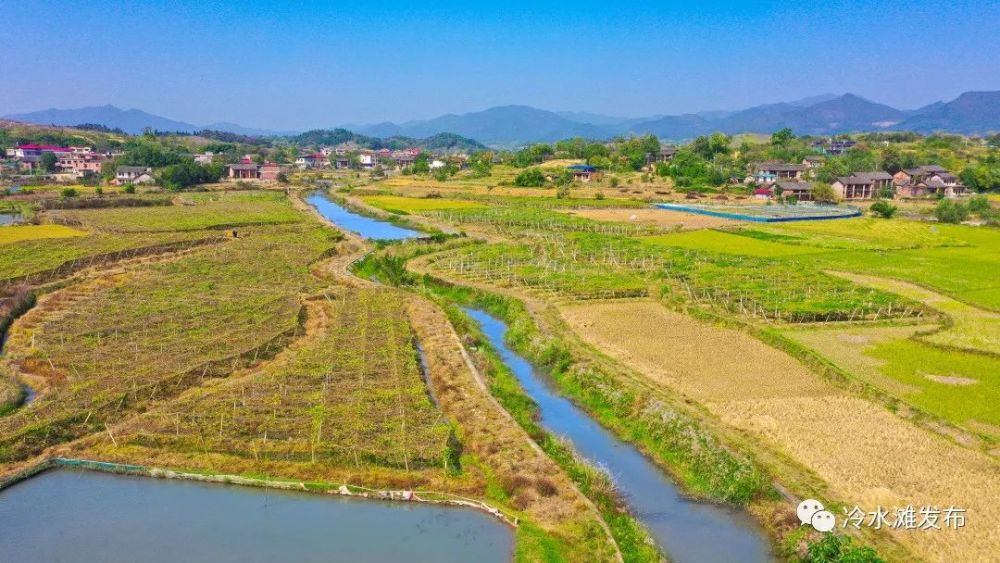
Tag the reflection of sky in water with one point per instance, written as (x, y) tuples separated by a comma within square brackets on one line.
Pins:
[(364, 226), (689, 531), (65, 515), (8, 218)]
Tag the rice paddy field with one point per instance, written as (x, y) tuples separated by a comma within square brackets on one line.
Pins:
[(254, 355), (11, 235), (851, 360)]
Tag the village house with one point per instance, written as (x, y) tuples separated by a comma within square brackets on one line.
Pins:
[(80, 163), (927, 180), (133, 175), (813, 161), (243, 171), (30, 150), (583, 172), (368, 160), (269, 172), (862, 185), (802, 191), (833, 147), (762, 193), (665, 154), (204, 158), (314, 160), (771, 171), (340, 162)]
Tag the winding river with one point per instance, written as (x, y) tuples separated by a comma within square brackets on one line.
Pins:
[(686, 530), (355, 222)]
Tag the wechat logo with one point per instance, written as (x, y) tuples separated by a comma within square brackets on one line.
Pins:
[(811, 511)]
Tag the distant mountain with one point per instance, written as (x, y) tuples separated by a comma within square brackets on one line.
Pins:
[(972, 112), (501, 125), (132, 121)]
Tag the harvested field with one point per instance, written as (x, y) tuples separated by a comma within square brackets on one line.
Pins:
[(10, 235), (705, 362), (864, 453), (653, 218), (869, 457)]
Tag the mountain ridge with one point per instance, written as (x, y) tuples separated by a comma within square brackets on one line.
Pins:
[(975, 112)]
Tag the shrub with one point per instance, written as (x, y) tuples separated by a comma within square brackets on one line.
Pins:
[(883, 209), (129, 188), (69, 192), (980, 205), (948, 211), (530, 178), (824, 193), (834, 548), (99, 190)]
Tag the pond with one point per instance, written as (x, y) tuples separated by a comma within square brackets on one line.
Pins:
[(64, 515), (365, 226), (9, 218), (686, 530)]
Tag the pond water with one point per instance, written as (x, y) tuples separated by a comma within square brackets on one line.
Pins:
[(684, 529), (365, 226), (82, 516), (9, 218)]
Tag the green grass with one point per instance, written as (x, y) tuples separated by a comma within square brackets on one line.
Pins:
[(34, 256), (727, 243), (918, 365), (194, 212), (406, 205)]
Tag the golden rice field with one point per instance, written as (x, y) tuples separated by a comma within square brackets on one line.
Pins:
[(10, 235), (865, 454)]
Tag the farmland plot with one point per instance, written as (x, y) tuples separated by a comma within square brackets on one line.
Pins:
[(350, 397), (107, 347), (865, 454)]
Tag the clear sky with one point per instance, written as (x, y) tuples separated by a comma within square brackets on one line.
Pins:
[(291, 65)]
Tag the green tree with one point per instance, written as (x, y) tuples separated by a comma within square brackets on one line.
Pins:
[(47, 162), (824, 193), (532, 177), (782, 137)]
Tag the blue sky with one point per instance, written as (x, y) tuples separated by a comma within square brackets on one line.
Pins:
[(291, 65)]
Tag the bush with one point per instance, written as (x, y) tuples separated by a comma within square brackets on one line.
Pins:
[(948, 211), (69, 192), (530, 178), (129, 188), (834, 548), (824, 193), (980, 205), (883, 209), (99, 190)]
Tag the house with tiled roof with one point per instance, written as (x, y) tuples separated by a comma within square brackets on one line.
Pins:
[(927, 180), (862, 185)]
